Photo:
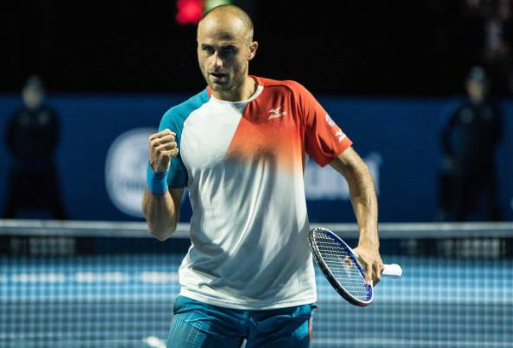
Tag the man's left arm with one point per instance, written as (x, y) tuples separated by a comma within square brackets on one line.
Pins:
[(365, 206)]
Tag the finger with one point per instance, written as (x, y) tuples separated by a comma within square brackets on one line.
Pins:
[(166, 146), (347, 262), (366, 268), (165, 158), (377, 273), (165, 139), (361, 260), (162, 140), (156, 148), (369, 274), (167, 155), (166, 131), (162, 134)]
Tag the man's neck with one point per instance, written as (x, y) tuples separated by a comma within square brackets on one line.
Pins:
[(243, 92)]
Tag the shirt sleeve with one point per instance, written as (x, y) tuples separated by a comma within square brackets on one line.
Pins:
[(324, 140), (177, 175)]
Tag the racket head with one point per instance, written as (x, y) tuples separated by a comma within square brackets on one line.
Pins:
[(340, 266)]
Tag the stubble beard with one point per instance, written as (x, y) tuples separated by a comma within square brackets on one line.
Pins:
[(234, 81)]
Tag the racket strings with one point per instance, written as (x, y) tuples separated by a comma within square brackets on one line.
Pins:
[(341, 265)]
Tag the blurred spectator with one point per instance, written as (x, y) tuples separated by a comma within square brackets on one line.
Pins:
[(493, 20), (469, 141), (498, 49), (32, 136)]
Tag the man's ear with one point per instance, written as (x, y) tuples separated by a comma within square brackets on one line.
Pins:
[(252, 50)]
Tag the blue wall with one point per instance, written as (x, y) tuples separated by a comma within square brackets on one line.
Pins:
[(401, 133)]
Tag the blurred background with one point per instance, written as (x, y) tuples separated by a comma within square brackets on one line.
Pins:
[(423, 88), (392, 76)]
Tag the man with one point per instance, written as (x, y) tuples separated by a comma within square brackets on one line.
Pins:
[(239, 148), (32, 137), (469, 141)]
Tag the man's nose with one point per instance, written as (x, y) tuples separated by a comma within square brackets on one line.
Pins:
[(217, 62)]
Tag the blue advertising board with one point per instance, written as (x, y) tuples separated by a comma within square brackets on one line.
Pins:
[(103, 151)]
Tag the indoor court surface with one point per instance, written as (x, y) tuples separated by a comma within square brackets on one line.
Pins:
[(118, 291)]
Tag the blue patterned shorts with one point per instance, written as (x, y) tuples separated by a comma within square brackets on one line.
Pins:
[(200, 325)]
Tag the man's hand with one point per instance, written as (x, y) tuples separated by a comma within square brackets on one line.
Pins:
[(371, 260), (162, 148)]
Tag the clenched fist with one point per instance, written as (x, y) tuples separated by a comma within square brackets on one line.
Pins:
[(162, 148)]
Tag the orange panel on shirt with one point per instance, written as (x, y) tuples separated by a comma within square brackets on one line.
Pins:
[(284, 122), (269, 133)]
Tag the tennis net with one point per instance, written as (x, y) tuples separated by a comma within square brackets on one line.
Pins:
[(85, 284)]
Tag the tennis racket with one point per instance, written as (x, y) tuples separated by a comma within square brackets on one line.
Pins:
[(341, 267)]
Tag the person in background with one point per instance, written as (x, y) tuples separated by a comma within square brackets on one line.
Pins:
[(32, 137), (470, 140)]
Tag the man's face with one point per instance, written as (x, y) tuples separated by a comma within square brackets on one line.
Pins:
[(32, 97), (224, 52)]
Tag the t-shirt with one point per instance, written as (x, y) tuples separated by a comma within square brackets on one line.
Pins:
[(243, 166)]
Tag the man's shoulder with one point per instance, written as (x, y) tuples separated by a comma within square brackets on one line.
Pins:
[(184, 109), (291, 85)]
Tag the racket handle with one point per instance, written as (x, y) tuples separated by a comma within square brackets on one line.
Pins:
[(393, 270)]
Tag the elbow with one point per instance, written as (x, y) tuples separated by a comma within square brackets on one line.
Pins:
[(161, 237), (162, 234), (161, 225)]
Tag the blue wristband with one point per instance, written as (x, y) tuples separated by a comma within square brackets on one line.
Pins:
[(157, 182)]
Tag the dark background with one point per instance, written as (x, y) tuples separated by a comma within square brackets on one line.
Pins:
[(390, 72), (411, 48)]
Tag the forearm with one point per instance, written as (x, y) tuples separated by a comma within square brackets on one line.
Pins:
[(365, 206), (161, 214)]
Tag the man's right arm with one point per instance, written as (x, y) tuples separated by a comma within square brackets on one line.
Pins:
[(162, 212), (160, 205)]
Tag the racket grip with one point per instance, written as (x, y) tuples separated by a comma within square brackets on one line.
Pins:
[(393, 270)]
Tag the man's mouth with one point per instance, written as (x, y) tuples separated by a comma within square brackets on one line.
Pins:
[(218, 76)]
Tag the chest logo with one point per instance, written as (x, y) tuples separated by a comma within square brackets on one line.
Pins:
[(275, 113)]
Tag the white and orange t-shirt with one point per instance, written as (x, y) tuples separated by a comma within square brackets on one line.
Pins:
[(243, 165)]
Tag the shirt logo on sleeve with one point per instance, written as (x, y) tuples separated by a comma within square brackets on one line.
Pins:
[(329, 120), (340, 135), (275, 113)]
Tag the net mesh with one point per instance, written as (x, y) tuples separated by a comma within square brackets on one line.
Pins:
[(69, 290), (341, 266)]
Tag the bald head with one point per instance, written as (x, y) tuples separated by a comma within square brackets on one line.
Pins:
[(225, 48), (228, 19)]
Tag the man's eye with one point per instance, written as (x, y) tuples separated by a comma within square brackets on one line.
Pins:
[(229, 50), (208, 49)]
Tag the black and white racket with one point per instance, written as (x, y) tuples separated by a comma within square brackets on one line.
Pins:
[(341, 267)]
